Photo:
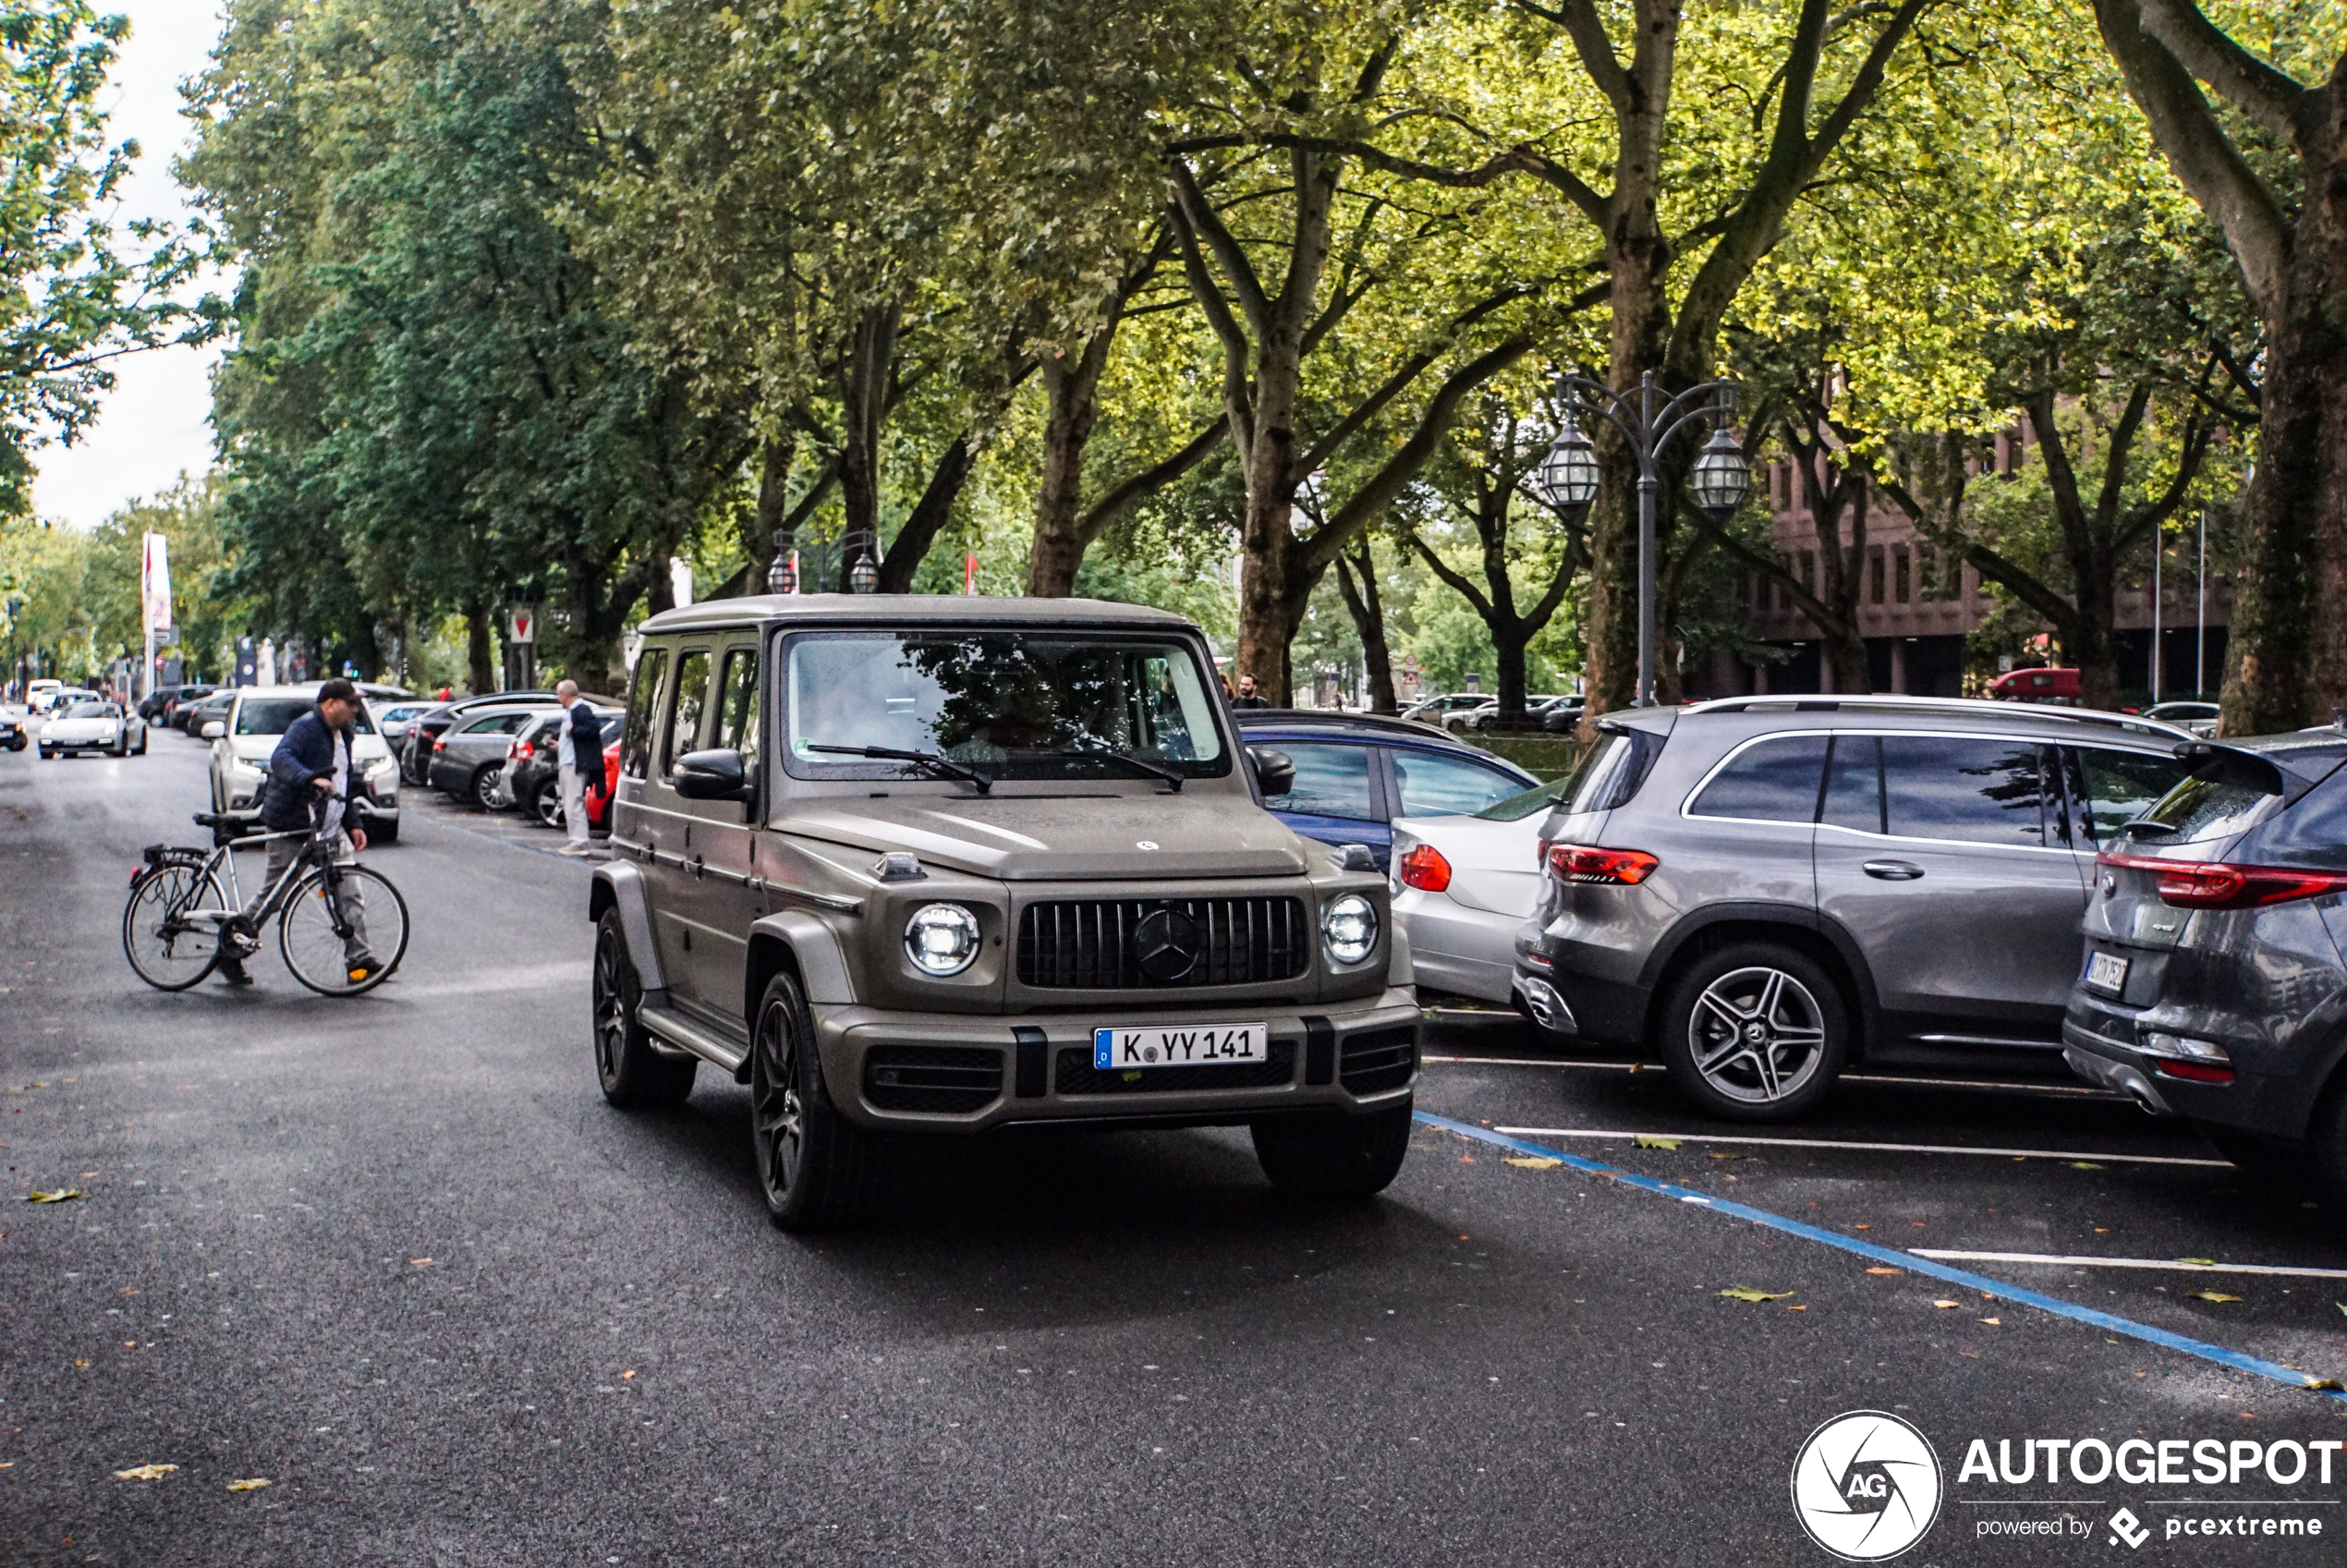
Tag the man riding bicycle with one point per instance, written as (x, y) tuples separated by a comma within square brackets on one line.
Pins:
[(308, 779)]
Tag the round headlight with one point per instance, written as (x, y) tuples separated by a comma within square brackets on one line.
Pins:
[(941, 939), (1348, 928)]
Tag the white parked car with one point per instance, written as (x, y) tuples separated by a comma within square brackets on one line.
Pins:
[(94, 725), (1464, 886), (243, 741)]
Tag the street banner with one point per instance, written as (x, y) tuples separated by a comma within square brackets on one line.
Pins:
[(155, 584)]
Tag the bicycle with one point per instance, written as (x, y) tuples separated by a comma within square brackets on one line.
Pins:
[(179, 916)]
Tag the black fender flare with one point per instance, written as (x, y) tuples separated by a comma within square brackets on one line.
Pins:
[(620, 886)]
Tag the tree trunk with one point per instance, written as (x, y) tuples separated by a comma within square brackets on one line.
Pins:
[(766, 518), (1846, 655), (482, 668), (1072, 403), (1367, 610), (910, 547), (864, 394), (1508, 645)]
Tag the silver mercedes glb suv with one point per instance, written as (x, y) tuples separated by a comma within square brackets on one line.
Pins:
[(935, 865), (1762, 891)]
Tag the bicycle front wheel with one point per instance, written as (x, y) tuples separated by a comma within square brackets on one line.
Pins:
[(340, 923), (171, 927)]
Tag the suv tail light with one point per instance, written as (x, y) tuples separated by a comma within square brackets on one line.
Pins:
[(519, 752), (1588, 863), (440, 743), (2213, 884), (1425, 869)]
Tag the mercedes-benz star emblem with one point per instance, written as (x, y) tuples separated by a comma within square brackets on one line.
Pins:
[(1146, 844), (1165, 945)]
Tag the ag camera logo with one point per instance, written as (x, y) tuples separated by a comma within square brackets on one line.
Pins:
[(1866, 1485)]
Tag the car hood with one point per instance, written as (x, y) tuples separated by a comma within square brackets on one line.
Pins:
[(80, 729), (1087, 837), (1494, 865)]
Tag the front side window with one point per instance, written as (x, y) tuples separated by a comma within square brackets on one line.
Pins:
[(685, 713), (636, 745), (2123, 786), (1010, 704), (1853, 784), (1771, 781), (737, 704), (1447, 786), (1330, 781), (1971, 789), (499, 723)]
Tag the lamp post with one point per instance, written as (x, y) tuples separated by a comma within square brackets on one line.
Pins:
[(1566, 479), (781, 576), (863, 571)]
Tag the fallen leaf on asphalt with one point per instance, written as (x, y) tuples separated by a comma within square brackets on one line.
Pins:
[(81, 1364), (1466, 1159), (1745, 1293), (62, 1194), (2332, 1383), (1879, 1269), (253, 1485), (1946, 1304), (1861, 1227), (1796, 1309), (2210, 1295), (2083, 1165), (2342, 1305), (2200, 1262), (420, 1262), (1994, 1322), (145, 1473), (1531, 1162), (1726, 1157), (628, 1376), (1646, 1140)]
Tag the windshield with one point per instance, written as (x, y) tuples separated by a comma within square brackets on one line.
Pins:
[(1017, 705), (90, 711), (275, 715)]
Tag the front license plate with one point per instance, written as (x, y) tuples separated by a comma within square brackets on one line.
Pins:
[(2106, 972), (1196, 1045)]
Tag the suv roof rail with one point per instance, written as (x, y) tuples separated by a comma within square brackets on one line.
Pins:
[(1815, 703)]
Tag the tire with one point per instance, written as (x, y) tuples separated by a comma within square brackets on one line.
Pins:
[(311, 950), (814, 1169), (178, 962), (143, 743), (1710, 1042), (546, 805), (1331, 1155), (384, 833), (482, 791), (634, 1077), (47, 755)]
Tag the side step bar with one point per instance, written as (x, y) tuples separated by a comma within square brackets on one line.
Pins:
[(683, 1037)]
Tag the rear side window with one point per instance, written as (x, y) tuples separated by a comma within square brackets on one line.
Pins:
[(2201, 808), (636, 745), (1447, 786), (1330, 781), (499, 723), (1609, 773), (1771, 781), (2123, 786), (685, 711), (1971, 789)]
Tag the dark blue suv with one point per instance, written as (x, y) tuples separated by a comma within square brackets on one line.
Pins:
[(1356, 772)]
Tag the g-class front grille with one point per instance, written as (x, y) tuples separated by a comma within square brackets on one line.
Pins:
[(1379, 1059), (1075, 1073), (1096, 944), (941, 1079)]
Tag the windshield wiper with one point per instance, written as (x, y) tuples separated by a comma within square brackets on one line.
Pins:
[(944, 767), (1150, 769)]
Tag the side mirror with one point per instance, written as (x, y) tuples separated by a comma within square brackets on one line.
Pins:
[(715, 775), (214, 729), (1274, 771)]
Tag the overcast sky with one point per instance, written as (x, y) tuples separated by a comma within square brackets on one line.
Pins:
[(154, 424)]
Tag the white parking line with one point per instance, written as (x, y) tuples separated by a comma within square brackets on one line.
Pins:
[(2080, 1090), (2175, 1263), (2090, 1155)]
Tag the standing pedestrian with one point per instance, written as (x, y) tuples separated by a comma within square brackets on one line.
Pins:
[(1247, 697), (582, 765), (308, 779)]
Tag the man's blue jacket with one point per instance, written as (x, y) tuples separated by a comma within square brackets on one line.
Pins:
[(305, 754)]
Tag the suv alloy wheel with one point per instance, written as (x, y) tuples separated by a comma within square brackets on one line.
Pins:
[(813, 1168), (634, 1076), (1755, 1032)]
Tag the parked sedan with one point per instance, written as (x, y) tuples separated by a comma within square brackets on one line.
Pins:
[(191, 717), (2198, 717), (260, 715), (94, 725), (534, 764), (2213, 987), (468, 759), (12, 728), (425, 730), (1356, 772), (1463, 888), (391, 720)]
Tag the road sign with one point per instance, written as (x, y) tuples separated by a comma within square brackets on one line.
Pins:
[(521, 624)]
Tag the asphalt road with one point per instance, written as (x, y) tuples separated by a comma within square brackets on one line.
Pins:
[(395, 1256)]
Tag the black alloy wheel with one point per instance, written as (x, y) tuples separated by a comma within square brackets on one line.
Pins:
[(634, 1077), (814, 1169)]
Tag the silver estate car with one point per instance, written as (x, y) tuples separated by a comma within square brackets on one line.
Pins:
[(1762, 891), (936, 865)]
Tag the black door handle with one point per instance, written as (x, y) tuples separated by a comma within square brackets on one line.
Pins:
[(1894, 870)]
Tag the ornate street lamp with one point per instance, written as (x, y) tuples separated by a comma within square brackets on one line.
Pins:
[(1566, 479), (782, 576), (863, 575)]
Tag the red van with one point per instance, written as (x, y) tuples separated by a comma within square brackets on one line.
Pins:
[(2035, 686)]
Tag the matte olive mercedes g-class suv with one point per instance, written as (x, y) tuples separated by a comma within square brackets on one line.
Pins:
[(938, 865)]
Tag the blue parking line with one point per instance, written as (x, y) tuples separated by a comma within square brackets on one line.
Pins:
[(1906, 1261)]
